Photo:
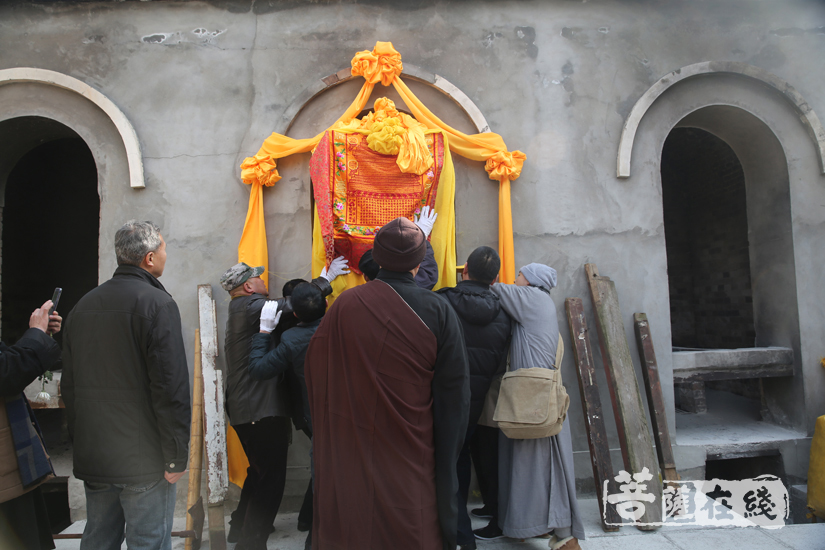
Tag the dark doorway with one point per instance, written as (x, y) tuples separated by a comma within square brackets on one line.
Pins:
[(706, 234), (51, 221)]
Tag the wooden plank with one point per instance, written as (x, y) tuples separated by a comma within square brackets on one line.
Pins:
[(592, 408), (214, 432), (631, 422), (655, 400), (195, 444)]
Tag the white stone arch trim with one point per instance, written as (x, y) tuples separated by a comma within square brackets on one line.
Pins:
[(66, 82), (631, 125), (411, 72)]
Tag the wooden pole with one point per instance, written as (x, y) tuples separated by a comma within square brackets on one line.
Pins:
[(592, 408), (655, 400), (217, 478), (195, 439), (631, 420)]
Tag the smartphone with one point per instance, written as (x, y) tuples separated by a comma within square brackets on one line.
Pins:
[(55, 298)]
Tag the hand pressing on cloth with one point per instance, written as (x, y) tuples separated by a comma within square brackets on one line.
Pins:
[(337, 267), (426, 220)]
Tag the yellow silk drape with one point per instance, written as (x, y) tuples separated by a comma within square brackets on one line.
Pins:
[(382, 64), (442, 237)]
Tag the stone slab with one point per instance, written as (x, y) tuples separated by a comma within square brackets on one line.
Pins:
[(721, 364)]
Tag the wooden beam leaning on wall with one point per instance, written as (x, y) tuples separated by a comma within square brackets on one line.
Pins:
[(217, 478), (194, 501), (655, 400), (592, 408), (628, 409)]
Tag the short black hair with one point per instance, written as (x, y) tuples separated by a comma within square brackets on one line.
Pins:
[(307, 302), (368, 266), (483, 265), (290, 286)]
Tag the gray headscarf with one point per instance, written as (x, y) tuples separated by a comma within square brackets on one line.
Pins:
[(540, 275)]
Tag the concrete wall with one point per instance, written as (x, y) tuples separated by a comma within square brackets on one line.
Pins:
[(204, 83)]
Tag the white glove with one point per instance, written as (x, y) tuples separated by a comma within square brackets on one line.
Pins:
[(338, 266), (270, 316), (426, 220)]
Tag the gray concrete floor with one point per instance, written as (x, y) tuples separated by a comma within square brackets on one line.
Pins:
[(730, 420), (791, 537)]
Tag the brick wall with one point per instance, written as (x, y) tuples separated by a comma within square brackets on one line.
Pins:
[(706, 233)]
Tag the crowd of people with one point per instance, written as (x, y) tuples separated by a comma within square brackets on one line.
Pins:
[(392, 383)]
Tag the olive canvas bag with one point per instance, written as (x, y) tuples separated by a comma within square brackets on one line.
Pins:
[(532, 403)]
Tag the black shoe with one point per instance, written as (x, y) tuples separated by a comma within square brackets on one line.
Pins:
[(491, 532), (304, 526), (234, 534), (483, 512), (471, 546)]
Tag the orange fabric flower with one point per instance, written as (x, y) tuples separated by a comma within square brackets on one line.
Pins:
[(382, 64), (260, 169), (505, 164)]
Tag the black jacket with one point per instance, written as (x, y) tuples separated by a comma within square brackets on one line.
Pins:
[(31, 356), (486, 330), (126, 381), (287, 356), (248, 400)]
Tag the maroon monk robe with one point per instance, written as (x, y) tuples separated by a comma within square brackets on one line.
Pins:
[(372, 415)]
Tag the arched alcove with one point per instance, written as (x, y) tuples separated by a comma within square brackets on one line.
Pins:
[(47, 100), (287, 205), (35, 79), (780, 165)]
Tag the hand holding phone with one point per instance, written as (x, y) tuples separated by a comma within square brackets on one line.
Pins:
[(55, 321), (55, 298)]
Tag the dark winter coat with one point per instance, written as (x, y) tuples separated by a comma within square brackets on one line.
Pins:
[(250, 399), (288, 355), (20, 364), (486, 334), (126, 381)]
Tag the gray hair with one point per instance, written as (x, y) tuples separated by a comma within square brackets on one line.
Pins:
[(135, 240)]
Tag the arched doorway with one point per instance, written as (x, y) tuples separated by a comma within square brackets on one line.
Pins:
[(49, 217), (732, 284), (51, 214)]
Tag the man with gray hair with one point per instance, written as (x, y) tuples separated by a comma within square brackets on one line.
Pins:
[(126, 389)]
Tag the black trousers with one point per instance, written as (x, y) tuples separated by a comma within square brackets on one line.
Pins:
[(265, 443), (484, 452), (482, 444)]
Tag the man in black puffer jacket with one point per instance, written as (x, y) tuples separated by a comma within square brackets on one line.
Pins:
[(487, 336), (126, 388)]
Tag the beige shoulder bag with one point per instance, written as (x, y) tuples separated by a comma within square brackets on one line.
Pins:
[(532, 403)]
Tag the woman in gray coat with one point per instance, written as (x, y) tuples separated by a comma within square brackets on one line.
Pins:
[(537, 484)]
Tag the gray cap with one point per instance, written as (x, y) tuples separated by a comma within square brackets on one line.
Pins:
[(238, 274)]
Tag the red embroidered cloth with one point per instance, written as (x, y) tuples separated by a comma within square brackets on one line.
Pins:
[(357, 191)]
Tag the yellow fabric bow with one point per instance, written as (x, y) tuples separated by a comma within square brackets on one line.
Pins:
[(261, 169), (505, 164), (382, 64)]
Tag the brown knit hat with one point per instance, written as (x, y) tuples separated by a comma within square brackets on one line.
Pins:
[(399, 245)]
